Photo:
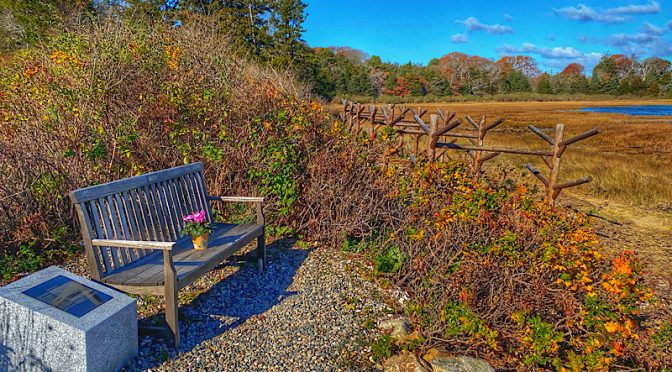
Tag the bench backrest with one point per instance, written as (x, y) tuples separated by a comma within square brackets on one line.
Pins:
[(148, 207)]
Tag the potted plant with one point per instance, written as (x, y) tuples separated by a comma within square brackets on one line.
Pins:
[(198, 227)]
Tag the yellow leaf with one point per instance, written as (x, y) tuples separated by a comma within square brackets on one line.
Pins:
[(611, 327)]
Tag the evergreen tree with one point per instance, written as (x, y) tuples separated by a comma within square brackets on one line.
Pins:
[(544, 84)]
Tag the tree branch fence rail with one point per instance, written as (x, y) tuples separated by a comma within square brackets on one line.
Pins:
[(439, 129)]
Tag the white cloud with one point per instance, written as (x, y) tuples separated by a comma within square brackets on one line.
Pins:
[(507, 17), (550, 53), (472, 24), (556, 57), (459, 38), (584, 13), (649, 41), (651, 8), (652, 29)]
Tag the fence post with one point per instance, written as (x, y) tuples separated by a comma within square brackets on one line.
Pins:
[(431, 143), (358, 119), (557, 149), (372, 118)]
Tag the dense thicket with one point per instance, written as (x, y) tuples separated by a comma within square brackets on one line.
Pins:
[(116, 97)]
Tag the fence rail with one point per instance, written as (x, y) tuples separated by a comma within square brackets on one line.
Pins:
[(442, 137)]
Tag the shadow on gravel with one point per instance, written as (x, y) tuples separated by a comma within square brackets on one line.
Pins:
[(235, 298)]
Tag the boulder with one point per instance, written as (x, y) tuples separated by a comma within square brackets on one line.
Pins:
[(404, 362), (460, 364), (399, 328)]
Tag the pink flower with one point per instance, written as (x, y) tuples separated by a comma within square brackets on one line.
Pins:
[(199, 217), (196, 217)]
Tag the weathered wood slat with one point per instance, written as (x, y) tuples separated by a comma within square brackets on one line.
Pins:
[(181, 200), (142, 233), (115, 222), (92, 256), (155, 209), (102, 190), (145, 201), (174, 216), (97, 224), (190, 193), (190, 264), (108, 232), (125, 225), (201, 191)]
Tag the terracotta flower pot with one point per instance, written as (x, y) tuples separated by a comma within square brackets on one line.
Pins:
[(200, 242)]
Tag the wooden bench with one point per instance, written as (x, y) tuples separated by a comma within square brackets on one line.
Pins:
[(131, 233)]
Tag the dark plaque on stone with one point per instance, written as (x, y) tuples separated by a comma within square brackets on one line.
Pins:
[(68, 295)]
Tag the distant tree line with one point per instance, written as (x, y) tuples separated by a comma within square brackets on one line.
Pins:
[(346, 71), (270, 31)]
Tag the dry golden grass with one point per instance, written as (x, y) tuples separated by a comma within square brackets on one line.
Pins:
[(630, 161)]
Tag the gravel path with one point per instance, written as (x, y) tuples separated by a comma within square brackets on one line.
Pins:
[(306, 312)]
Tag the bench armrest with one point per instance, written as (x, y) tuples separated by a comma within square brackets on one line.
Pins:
[(237, 199), (244, 199), (164, 246)]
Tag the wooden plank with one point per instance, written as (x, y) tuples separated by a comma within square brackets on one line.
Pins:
[(238, 199), (541, 134), (97, 224), (143, 233), (555, 162), (109, 233), (145, 272), (537, 174), (578, 182), (580, 137), (203, 191), (175, 172), (183, 196), (172, 208), (219, 254), (145, 202), (156, 209), (171, 298), (91, 257), (105, 189), (194, 192), (115, 222), (126, 224), (133, 244), (495, 149), (168, 212), (226, 240)]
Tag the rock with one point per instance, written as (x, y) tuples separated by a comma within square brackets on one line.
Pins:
[(399, 328), (404, 362), (431, 354), (460, 364)]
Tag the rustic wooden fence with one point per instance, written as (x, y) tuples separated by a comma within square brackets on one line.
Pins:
[(439, 129)]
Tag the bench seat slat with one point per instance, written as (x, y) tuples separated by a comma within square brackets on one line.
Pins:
[(225, 240)]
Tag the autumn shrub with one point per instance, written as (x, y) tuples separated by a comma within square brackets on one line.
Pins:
[(492, 271), (118, 97)]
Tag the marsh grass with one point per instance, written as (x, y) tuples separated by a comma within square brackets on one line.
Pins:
[(630, 160)]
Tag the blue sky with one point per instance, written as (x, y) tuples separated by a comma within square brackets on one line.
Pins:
[(554, 32)]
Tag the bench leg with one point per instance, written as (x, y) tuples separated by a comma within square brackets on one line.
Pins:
[(171, 315), (261, 252), (171, 298)]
